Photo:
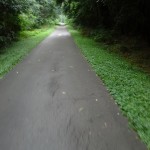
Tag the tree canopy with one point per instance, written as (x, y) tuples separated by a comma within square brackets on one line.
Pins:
[(126, 17), (19, 15)]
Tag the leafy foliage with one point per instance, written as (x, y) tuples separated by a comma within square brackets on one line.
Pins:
[(127, 17), (17, 15), (128, 84), (13, 54)]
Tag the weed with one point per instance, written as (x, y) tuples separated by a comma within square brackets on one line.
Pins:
[(11, 55), (129, 86)]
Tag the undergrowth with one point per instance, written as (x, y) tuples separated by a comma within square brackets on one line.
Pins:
[(12, 54), (129, 86), (135, 49)]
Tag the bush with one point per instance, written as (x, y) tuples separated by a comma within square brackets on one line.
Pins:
[(17, 15), (27, 21), (9, 25)]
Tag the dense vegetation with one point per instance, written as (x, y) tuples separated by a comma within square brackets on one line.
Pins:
[(122, 25), (20, 15), (127, 17), (127, 84), (23, 24), (11, 55)]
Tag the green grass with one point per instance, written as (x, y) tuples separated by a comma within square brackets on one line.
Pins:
[(129, 86), (11, 55)]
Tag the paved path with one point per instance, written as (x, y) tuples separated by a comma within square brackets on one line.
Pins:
[(53, 100)]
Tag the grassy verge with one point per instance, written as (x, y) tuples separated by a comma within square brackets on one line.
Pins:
[(11, 55), (129, 86), (135, 49)]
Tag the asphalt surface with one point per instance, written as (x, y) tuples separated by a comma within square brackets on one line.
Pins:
[(53, 100)]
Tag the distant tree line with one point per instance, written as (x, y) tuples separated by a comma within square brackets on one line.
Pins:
[(17, 15), (123, 16)]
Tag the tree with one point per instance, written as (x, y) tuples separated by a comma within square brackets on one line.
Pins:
[(126, 17), (17, 15)]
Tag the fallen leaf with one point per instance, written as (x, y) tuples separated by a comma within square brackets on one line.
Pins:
[(81, 109), (90, 133), (63, 93)]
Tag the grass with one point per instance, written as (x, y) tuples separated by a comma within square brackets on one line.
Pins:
[(11, 55), (135, 49), (129, 86)]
